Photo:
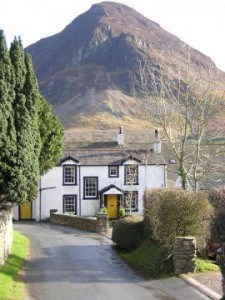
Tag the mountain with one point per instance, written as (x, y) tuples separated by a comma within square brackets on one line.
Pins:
[(84, 70)]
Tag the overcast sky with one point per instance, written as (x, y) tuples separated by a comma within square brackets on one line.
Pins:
[(200, 23)]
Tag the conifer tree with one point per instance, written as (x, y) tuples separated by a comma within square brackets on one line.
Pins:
[(31, 136), (32, 95), (26, 167), (7, 129), (51, 134)]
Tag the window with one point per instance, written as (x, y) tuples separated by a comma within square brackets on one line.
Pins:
[(113, 171), (121, 201), (69, 175), (131, 174), (131, 200), (70, 204), (90, 187)]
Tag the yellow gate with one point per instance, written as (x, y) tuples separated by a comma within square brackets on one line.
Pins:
[(25, 211), (112, 206)]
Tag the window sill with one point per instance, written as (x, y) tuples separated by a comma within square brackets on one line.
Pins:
[(94, 198)]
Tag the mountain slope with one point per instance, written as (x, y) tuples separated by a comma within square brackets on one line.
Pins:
[(84, 70)]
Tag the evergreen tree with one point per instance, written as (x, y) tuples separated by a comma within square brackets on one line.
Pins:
[(51, 133), (7, 129), (23, 124), (31, 136), (32, 95)]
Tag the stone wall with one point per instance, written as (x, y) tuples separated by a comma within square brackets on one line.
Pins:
[(6, 234), (97, 224), (102, 222), (184, 255)]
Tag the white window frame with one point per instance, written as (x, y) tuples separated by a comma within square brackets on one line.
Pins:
[(71, 206), (113, 171), (131, 178), (69, 175), (133, 196), (90, 188)]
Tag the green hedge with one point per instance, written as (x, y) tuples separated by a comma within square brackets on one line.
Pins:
[(170, 213), (217, 199), (128, 233)]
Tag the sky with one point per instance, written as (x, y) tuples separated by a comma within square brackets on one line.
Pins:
[(200, 23)]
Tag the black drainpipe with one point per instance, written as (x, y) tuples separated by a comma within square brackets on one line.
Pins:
[(79, 192)]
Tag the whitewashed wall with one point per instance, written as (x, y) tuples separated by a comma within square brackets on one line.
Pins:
[(15, 212), (150, 176), (52, 191)]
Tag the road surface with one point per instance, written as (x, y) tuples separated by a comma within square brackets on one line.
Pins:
[(66, 263)]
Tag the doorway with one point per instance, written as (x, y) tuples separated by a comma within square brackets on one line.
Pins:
[(112, 206), (25, 211)]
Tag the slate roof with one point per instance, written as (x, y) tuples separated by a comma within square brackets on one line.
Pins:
[(115, 156)]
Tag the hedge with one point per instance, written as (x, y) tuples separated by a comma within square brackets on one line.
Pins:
[(217, 199), (128, 233), (170, 213)]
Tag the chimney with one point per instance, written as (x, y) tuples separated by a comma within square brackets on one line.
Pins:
[(157, 144), (120, 137)]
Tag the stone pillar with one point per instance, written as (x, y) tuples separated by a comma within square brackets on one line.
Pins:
[(102, 222), (6, 234), (184, 255)]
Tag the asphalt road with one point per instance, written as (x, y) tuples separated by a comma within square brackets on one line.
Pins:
[(66, 263)]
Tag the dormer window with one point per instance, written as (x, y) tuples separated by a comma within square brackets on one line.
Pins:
[(113, 171), (69, 175), (131, 174)]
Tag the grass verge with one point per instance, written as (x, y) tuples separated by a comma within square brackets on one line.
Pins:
[(155, 261), (151, 258), (206, 265), (11, 286)]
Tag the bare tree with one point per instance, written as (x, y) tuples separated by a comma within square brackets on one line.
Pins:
[(131, 180), (185, 100)]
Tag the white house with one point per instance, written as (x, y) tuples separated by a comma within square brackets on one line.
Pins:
[(86, 180)]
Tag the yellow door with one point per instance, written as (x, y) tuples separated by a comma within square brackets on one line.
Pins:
[(112, 206), (25, 211)]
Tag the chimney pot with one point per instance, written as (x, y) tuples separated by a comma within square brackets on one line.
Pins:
[(157, 145), (156, 134), (120, 138)]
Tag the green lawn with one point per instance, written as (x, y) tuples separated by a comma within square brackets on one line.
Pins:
[(154, 260), (206, 265), (151, 258), (11, 286)]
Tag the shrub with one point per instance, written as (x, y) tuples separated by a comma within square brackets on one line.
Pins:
[(105, 210), (128, 232), (122, 212), (217, 199), (171, 213)]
